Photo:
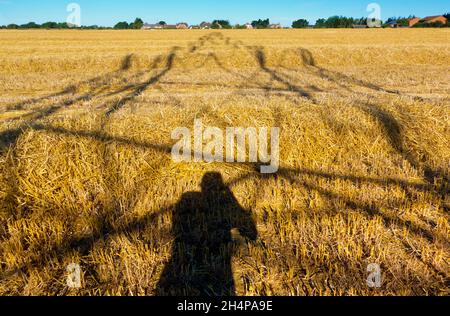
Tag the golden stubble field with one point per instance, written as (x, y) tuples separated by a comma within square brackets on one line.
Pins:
[(87, 177)]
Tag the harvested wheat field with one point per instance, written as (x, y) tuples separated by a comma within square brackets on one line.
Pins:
[(87, 176)]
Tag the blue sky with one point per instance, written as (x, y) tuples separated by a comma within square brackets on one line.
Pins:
[(108, 12)]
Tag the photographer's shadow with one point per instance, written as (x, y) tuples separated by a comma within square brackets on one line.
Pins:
[(204, 246)]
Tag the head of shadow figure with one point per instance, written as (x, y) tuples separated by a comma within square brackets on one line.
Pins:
[(204, 226)]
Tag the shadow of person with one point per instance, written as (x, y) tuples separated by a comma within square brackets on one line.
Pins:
[(204, 243)]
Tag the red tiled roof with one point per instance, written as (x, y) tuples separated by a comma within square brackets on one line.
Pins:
[(428, 18)]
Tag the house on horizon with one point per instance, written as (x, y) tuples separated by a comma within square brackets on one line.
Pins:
[(179, 26), (248, 26), (275, 26), (433, 19), (205, 25), (147, 26), (394, 24), (413, 21), (182, 26)]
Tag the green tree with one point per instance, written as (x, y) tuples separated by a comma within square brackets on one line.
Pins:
[(299, 24), (391, 19), (137, 24), (361, 21), (163, 23), (320, 23), (339, 22), (240, 26), (63, 25), (225, 24), (261, 24), (50, 25), (403, 22), (447, 16), (12, 26), (122, 26), (30, 25)]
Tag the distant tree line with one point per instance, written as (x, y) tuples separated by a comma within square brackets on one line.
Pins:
[(299, 24), (331, 22), (50, 25), (337, 22), (261, 24), (136, 25), (349, 22)]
